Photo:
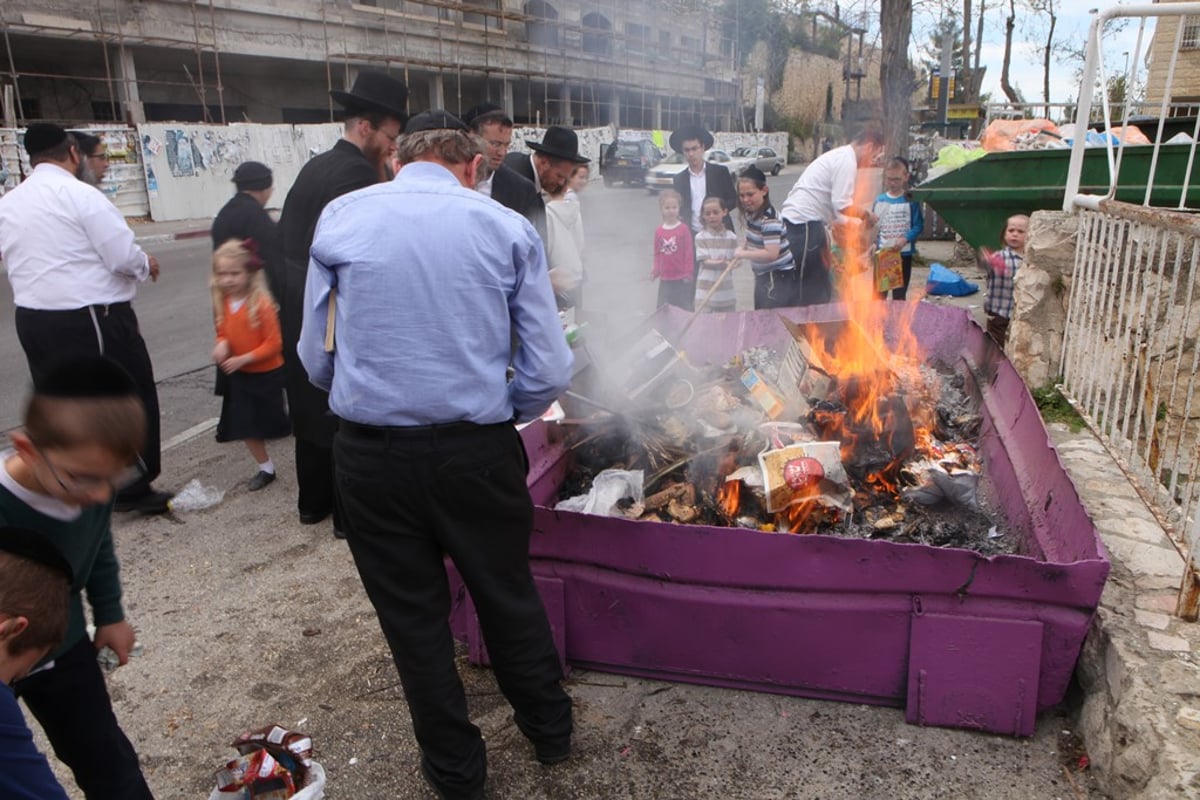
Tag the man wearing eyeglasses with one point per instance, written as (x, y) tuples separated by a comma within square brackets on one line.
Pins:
[(93, 158), (74, 265), (500, 182), (83, 428), (375, 115)]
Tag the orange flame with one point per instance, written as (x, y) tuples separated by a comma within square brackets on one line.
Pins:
[(871, 352), (729, 497)]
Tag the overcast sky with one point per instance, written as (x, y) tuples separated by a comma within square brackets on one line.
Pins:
[(1025, 72)]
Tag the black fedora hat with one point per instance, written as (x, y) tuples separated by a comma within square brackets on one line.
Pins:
[(375, 91), (689, 132), (435, 119), (42, 136), (486, 112), (559, 142)]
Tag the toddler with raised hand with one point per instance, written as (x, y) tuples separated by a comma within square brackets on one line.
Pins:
[(1001, 267)]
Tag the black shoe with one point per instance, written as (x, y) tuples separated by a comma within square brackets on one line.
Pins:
[(149, 503), (261, 480), (313, 517), (338, 534), (441, 793), (551, 754)]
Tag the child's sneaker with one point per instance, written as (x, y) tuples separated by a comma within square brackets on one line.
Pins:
[(261, 480)]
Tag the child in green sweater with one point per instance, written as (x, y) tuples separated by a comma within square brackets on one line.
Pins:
[(84, 427)]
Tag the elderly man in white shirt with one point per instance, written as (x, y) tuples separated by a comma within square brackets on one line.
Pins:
[(74, 266)]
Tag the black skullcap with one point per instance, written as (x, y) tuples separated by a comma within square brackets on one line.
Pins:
[(435, 119), (42, 136), (86, 141), (86, 376), (486, 112), (35, 547), (754, 173), (252, 175)]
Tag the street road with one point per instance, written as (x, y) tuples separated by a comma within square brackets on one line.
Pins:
[(176, 317)]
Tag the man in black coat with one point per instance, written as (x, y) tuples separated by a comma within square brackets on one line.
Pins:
[(245, 215), (693, 141), (503, 184), (375, 115)]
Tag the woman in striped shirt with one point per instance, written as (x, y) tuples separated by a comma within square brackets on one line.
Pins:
[(776, 281)]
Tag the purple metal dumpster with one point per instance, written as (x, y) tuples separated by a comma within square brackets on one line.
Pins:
[(956, 638)]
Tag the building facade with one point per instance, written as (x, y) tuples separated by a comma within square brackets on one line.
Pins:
[(629, 63)]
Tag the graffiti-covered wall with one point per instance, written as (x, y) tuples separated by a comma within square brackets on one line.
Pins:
[(189, 168)]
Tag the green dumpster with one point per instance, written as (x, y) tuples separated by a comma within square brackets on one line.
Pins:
[(977, 198)]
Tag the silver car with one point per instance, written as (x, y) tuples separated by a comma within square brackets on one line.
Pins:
[(765, 158)]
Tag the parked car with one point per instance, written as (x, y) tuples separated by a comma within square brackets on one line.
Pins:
[(764, 158), (627, 161), (662, 175)]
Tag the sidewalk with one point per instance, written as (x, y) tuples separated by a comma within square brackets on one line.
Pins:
[(149, 232)]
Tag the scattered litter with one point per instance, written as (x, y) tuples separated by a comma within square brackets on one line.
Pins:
[(273, 763), (195, 496), (943, 280), (608, 488)]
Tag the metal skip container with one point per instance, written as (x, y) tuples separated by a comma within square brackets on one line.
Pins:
[(956, 638)]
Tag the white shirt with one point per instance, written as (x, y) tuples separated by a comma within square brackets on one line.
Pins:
[(564, 238), (484, 186), (699, 185), (65, 245), (824, 188)]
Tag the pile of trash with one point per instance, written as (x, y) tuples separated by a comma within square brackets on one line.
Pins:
[(773, 440), (273, 763)]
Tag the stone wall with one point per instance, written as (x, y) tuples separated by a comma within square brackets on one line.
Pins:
[(1041, 291)]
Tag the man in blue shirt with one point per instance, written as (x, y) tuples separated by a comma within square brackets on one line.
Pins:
[(432, 281)]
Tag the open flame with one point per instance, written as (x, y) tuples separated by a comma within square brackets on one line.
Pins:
[(729, 498), (877, 430)]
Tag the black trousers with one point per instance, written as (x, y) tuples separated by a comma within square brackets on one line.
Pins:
[(70, 701), (314, 480), (777, 289), (50, 336), (809, 247), (411, 496)]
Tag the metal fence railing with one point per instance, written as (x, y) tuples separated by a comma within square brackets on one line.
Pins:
[(1131, 348)]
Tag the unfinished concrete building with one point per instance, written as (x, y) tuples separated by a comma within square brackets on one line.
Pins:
[(651, 64)]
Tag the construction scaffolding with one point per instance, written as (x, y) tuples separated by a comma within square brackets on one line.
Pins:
[(622, 62)]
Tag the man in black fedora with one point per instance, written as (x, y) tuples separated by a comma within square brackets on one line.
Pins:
[(550, 167), (502, 183), (376, 110), (701, 178)]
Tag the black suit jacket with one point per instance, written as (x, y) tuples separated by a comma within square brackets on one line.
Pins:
[(718, 183), (325, 177), (513, 190)]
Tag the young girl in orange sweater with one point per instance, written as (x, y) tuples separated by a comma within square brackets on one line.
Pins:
[(249, 353)]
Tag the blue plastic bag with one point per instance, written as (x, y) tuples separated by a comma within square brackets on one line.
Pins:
[(943, 280)]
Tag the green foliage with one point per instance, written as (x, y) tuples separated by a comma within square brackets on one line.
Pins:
[(1056, 408)]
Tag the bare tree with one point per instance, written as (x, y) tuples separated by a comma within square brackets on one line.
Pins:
[(978, 34), (1009, 23), (1046, 7), (895, 73)]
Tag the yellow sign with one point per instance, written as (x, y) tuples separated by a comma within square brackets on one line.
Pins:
[(962, 112)]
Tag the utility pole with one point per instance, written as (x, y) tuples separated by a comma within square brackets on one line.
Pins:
[(943, 106)]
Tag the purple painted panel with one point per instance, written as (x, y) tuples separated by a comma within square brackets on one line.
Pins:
[(971, 672), (822, 616)]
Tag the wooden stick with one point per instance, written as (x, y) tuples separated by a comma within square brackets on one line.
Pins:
[(704, 303)]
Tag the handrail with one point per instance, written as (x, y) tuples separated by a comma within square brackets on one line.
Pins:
[(1094, 64)]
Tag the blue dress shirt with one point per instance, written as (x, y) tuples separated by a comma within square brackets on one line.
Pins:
[(433, 280)]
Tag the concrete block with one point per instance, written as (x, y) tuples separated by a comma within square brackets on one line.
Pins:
[(1151, 619), (1141, 558), (1168, 643), (1150, 583), (1164, 603)]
